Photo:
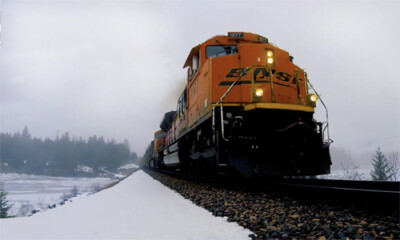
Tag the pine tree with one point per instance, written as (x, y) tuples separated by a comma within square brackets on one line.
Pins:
[(25, 133), (4, 206), (382, 171)]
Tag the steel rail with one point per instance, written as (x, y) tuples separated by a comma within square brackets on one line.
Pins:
[(372, 194)]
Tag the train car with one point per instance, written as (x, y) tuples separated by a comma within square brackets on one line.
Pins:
[(151, 157), (246, 109), (148, 157)]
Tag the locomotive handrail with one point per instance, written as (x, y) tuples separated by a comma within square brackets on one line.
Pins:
[(323, 129), (220, 102), (329, 140), (271, 85), (296, 72), (233, 84)]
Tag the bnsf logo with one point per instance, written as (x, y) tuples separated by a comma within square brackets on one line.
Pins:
[(263, 74)]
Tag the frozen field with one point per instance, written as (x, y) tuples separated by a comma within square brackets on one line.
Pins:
[(28, 192)]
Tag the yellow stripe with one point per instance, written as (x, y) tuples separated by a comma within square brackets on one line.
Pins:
[(227, 105), (292, 107), (247, 107), (252, 106)]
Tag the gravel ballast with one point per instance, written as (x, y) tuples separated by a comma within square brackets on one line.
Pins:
[(276, 216)]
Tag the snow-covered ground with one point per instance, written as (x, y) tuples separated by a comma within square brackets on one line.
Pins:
[(29, 192), (353, 174), (129, 166), (34, 192), (139, 207), (350, 174)]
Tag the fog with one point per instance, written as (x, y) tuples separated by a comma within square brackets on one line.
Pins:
[(113, 68)]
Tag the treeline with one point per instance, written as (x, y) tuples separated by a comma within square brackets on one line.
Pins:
[(20, 153)]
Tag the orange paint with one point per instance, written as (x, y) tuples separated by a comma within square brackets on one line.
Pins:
[(215, 74)]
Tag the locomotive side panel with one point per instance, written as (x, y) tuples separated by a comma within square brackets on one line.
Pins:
[(225, 71), (199, 94)]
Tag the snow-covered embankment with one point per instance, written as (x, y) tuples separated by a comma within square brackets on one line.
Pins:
[(138, 207)]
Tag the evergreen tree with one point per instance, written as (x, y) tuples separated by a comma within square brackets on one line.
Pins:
[(382, 171), (25, 133), (4, 206), (22, 153)]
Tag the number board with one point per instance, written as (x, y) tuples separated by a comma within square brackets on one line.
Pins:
[(235, 35), (262, 39)]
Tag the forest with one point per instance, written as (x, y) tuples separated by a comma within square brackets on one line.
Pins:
[(21, 153)]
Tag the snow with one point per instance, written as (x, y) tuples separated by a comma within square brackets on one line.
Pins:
[(39, 192), (129, 166), (353, 174), (350, 174), (139, 207), (85, 169)]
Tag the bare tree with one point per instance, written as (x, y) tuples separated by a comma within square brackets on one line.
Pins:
[(25, 209), (350, 168), (393, 159), (72, 193)]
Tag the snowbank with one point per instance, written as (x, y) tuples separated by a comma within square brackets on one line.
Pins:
[(137, 208)]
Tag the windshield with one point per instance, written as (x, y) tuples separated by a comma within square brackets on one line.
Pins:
[(220, 50), (159, 135)]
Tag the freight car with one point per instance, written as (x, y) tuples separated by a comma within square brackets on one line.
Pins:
[(246, 109)]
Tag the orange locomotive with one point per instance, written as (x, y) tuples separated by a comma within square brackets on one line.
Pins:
[(246, 109)]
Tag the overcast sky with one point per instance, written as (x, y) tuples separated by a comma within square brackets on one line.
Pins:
[(113, 68)]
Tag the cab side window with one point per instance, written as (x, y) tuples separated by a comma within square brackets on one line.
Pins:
[(195, 66), (182, 102), (179, 106), (220, 50)]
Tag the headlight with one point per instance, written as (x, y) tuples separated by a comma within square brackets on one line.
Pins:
[(259, 92), (269, 56), (312, 99)]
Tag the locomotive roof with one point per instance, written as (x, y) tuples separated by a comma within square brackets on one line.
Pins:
[(221, 39)]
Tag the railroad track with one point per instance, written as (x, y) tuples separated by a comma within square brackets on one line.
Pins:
[(380, 195), (295, 208)]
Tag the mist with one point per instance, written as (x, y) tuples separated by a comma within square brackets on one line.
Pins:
[(113, 68)]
